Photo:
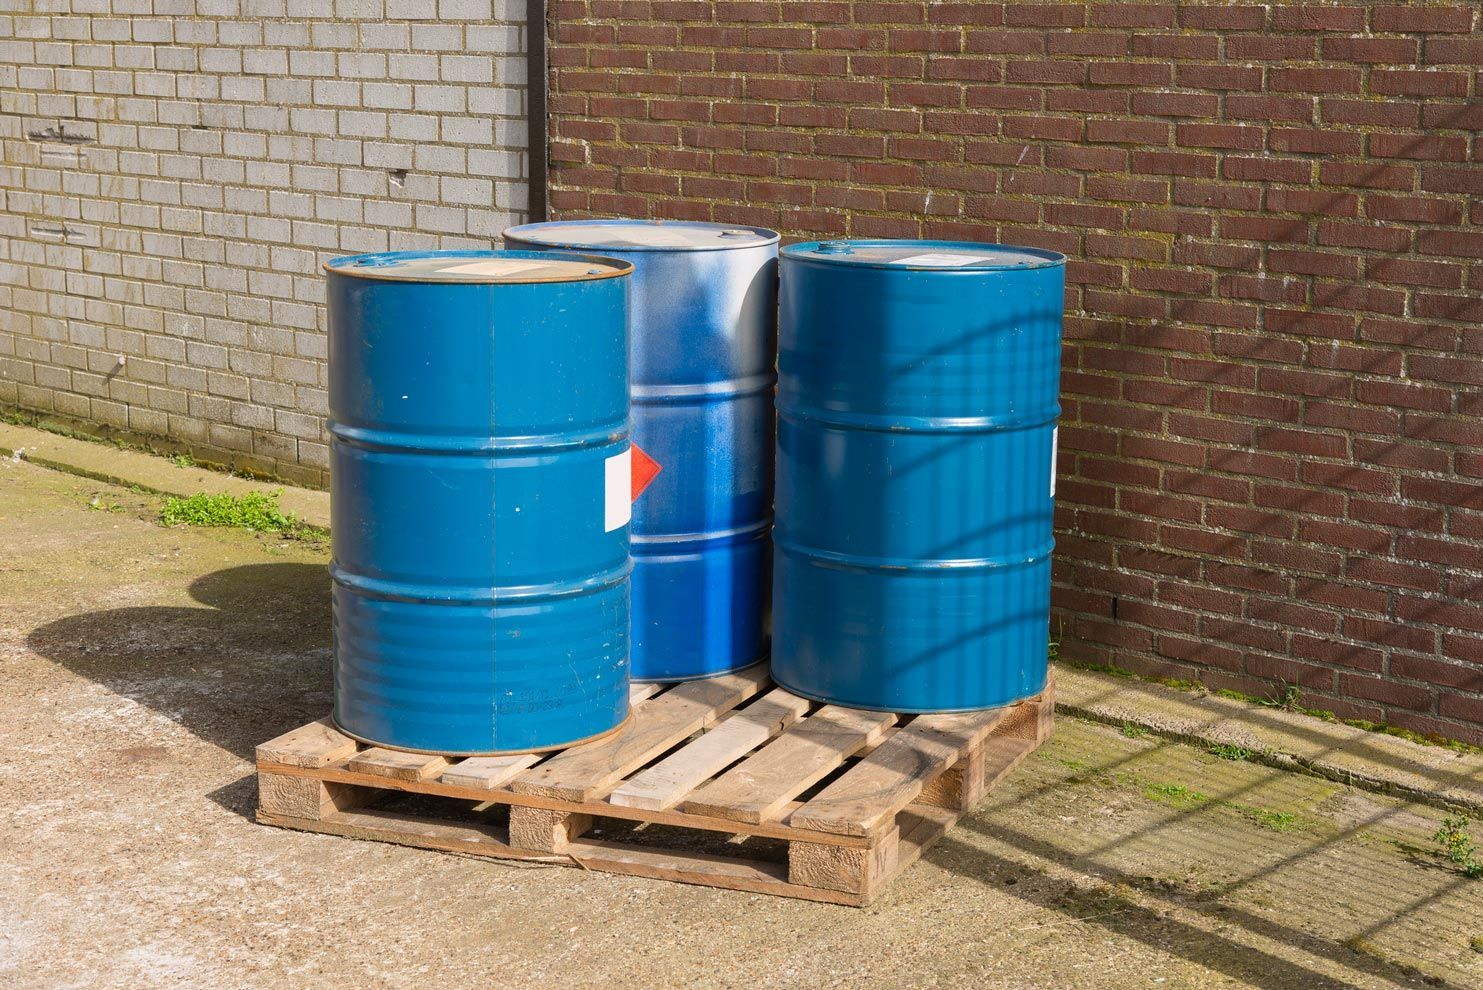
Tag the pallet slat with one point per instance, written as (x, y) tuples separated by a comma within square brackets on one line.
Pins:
[(642, 692), (758, 787), (890, 778), (489, 772), (599, 808), (586, 772), (315, 745), (1002, 755), (471, 838), (397, 764), (666, 782), (698, 868), (603, 857)]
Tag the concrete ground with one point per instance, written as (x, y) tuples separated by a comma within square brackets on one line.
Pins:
[(136, 468), (140, 665)]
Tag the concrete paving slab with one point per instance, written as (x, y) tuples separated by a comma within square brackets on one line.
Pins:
[(1435, 774), (140, 665), (106, 462)]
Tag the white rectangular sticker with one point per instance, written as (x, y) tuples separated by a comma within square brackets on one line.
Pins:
[(496, 267), (655, 237), (1055, 443), (938, 260), (617, 502)]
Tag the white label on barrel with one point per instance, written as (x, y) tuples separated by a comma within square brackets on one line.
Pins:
[(647, 235), (617, 502), (493, 268), (940, 260), (1055, 442)]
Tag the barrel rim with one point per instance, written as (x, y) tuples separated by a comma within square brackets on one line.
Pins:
[(523, 234), (808, 251), (782, 682), (345, 265), (596, 737)]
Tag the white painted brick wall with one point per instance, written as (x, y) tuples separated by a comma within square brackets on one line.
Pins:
[(175, 171)]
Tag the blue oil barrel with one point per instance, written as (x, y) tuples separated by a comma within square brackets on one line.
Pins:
[(703, 340), (479, 454), (917, 405)]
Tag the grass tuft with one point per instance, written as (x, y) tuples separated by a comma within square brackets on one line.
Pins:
[(256, 511), (1175, 794), (1228, 752), (1276, 821)]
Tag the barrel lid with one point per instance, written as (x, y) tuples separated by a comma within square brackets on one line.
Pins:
[(642, 235), (489, 267), (926, 255)]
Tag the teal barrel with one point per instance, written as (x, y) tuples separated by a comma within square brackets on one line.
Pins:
[(479, 458), (917, 405)]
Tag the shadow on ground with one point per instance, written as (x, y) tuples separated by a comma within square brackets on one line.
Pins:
[(1108, 907), (1367, 747), (251, 663), (1268, 906)]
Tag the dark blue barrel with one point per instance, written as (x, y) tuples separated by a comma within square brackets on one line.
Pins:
[(479, 456), (917, 405), (703, 338)]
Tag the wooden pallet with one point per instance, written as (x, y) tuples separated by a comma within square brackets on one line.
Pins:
[(728, 782)]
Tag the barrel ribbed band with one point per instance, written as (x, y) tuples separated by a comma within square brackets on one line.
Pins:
[(421, 443), (418, 592), (646, 545), (893, 423), (730, 388), (859, 562)]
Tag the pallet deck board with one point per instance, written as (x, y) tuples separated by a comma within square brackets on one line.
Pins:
[(642, 692), (317, 744), (397, 764), (666, 782), (892, 776), (754, 790), (437, 788), (730, 757), (489, 772), (591, 770), (603, 857)]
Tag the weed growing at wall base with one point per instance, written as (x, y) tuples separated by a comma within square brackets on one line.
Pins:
[(256, 511), (1228, 752), (1287, 702), (1456, 840)]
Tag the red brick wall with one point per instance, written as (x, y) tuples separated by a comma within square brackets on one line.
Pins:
[(1272, 442)]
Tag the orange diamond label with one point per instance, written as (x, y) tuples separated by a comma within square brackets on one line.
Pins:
[(645, 470)]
